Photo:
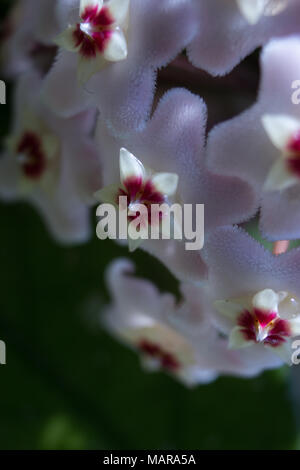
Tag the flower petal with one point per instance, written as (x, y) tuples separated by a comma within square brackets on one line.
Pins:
[(119, 10), (60, 87), (130, 166), (266, 300), (280, 128), (279, 177), (89, 66), (66, 39), (230, 309), (237, 339), (108, 194), (90, 4), (252, 9), (116, 48), (295, 326), (166, 183)]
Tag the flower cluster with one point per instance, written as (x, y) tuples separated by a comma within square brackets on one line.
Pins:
[(88, 127)]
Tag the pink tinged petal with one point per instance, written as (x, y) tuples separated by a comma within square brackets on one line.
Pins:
[(246, 323), (280, 215), (86, 167), (103, 18), (280, 128), (102, 41), (264, 318), (115, 48), (223, 40), (282, 175), (89, 8), (281, 328), (293, 165), (85, 43), (118, 10), (130, 166), (166, 183), (68, 40), (133, 186), (35, 161), (60, 87), (294, 143), (239, 338)]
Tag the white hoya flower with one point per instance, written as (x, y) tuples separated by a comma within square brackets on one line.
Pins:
[(284, 133), (51, 163), (269, 318), (99, 35), (141, 186), (253, 10)]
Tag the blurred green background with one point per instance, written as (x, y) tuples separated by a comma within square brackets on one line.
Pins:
[(68, 385)]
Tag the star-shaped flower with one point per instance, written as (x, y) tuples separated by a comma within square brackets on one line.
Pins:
[(122, 90), (256, 295), (172, 146), (29, 32), (178, 339), (51, 163), (262, 144), (253, 10), (98, 36), (229, 30), (140, 186)]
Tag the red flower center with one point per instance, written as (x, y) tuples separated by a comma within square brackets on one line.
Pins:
[(142, 192), (264, 327), (92, 34), (34, 162), (167, 360), (293, 161)]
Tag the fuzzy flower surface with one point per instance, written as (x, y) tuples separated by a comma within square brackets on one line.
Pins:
[(268, 137), (51, 163)]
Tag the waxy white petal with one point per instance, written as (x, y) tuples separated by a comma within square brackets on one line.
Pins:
[(130, 166), (280, 128), (237, 339), (119, 10), (116, 48), (284, 352), (229, 309), (166, 183), (266, 300), (50, 145), (66, 39), (295, 326), (108, 194), (279, 177)]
